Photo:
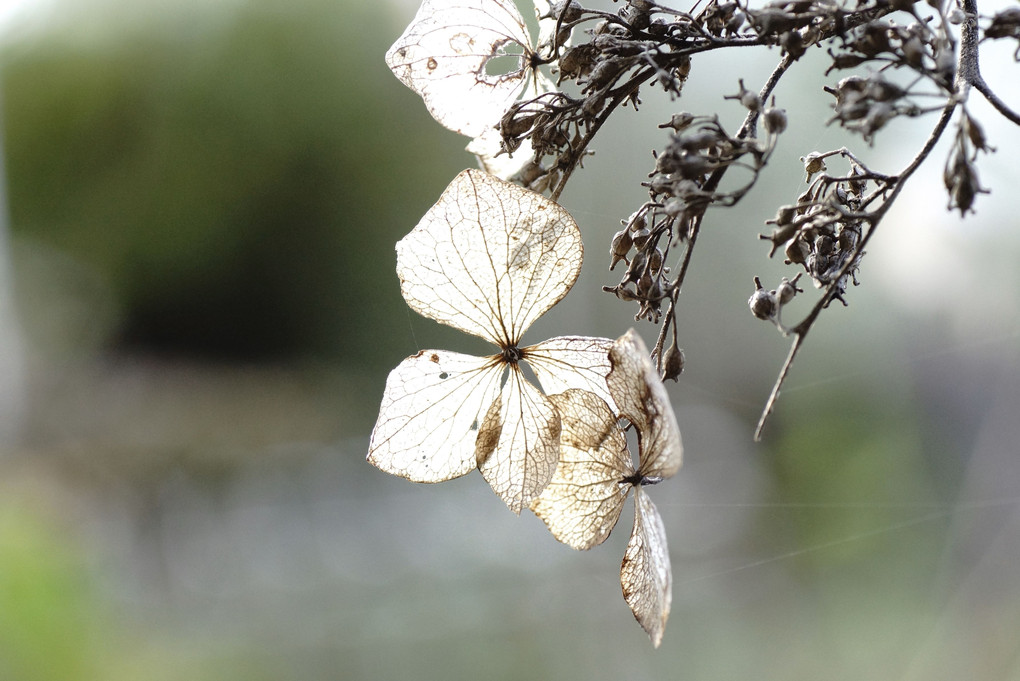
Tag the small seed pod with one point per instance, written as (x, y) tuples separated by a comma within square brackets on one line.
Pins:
[(775, 120), (824, 244), (655, 261), (818, 267), (787, 290), (620, 247), (661, 184), (679, 121), (674, 207), (735, 22), (641, 236), (750, 100), (797, 251), (636, 267), (672, 362), (813, 163), (762, 302), (847, 237), (666, 162)]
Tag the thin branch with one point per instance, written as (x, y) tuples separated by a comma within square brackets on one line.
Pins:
[(629, 89), (801, 330), (969, 71), (747, 128), (798, 339), (981, 86)]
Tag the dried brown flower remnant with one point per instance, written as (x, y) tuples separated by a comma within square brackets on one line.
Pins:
[(584, 500)]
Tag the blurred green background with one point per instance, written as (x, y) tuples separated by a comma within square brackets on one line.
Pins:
[(199, 309)]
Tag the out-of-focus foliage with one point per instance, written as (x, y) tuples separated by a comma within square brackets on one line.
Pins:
[(240, 184), (49, 617)]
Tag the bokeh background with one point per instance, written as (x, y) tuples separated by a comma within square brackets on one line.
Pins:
[(198, 310)]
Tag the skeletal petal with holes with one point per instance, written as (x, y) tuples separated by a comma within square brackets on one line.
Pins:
[(585, 497), (443, 56), (488, 258), (642, 399), (645, 574)]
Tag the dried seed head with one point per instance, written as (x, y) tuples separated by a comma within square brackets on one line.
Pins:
[(640, 236), (775, 120), (672, 362), (762, 302), (620, 247), (748, 99), (674, 207), (679, 121), (797, 251), (787, 290), (813, 163)]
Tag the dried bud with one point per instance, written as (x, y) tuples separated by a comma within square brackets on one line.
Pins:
[(674, 207), (655, 261), (620, 247), (824, 244), (780, 235), (913, 52), (813, 163), (749, 100), (881, 90), (577, 62), (848, 237), (569, 11), (975, 134), (661, 184), (775, 120), (787, 290), (666, 162), (961, 180), (1005, 24), (679, 121), (797, 251), (762, 302), (672, 362), (641, 236), (735, 22)]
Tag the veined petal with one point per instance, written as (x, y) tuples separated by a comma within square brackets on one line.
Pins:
[(489, 258), (642, 399), (442, 56), (567, 362), (431, 413), (518, 446), (584, 499), (645, 574)]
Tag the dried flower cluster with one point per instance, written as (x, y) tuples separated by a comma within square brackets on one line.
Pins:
[(493, 254)]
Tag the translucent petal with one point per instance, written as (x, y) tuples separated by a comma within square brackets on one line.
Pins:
[(442, 56), (642, 399), (569, 362), (518, 445), (489, 258), (584, 498), (645, 574), (432, 409)]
